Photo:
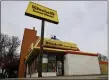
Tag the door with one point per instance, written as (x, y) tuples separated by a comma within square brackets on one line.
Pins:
[(59, 65), (59, 68)]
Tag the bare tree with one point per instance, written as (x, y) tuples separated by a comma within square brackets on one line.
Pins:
[(102, 57), (9, 56)]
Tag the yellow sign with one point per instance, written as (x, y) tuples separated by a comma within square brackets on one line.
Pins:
[(41, 12), (49, 44), (59, 44)]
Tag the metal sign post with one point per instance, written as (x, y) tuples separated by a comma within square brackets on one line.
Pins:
[(41, 50)]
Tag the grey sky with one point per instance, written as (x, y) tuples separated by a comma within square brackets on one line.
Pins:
[(82, 22)]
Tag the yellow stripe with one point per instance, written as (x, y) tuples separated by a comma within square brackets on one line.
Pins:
[(37, 42), (51, 49)]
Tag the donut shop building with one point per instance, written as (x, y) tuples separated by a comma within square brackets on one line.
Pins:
[(59, 57)]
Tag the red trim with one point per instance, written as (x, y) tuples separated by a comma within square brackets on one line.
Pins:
[(103, 62), (81, 53)]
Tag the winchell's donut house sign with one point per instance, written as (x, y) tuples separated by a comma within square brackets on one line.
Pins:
[(41, 12)]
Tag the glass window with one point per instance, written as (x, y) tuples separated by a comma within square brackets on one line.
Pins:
[(44, 63), (44, 67), (50, 67), (51, 58), (51, 63), (44, 55)]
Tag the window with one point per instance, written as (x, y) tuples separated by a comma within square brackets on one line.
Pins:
[(49, 63), (44, 67), (50, 67), (44, 63), (44, 55)]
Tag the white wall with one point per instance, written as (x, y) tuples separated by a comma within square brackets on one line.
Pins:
[(44, 74), (81, 64)]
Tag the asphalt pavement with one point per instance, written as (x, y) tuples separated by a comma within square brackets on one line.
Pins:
[(93, 77)]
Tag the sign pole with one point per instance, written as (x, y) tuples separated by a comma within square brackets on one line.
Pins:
[(45, 14), (41, 50)]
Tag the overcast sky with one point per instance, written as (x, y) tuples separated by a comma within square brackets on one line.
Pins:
[(81, 22)]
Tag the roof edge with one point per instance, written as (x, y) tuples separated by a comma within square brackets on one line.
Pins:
[(81, 53)]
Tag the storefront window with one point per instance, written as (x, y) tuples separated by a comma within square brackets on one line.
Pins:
[(44, 63), (44, 55), (50, 67), (51, 63), (44, 67), (48, 63)]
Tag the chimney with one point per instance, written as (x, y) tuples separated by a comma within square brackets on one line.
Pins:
[(33, 28)]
